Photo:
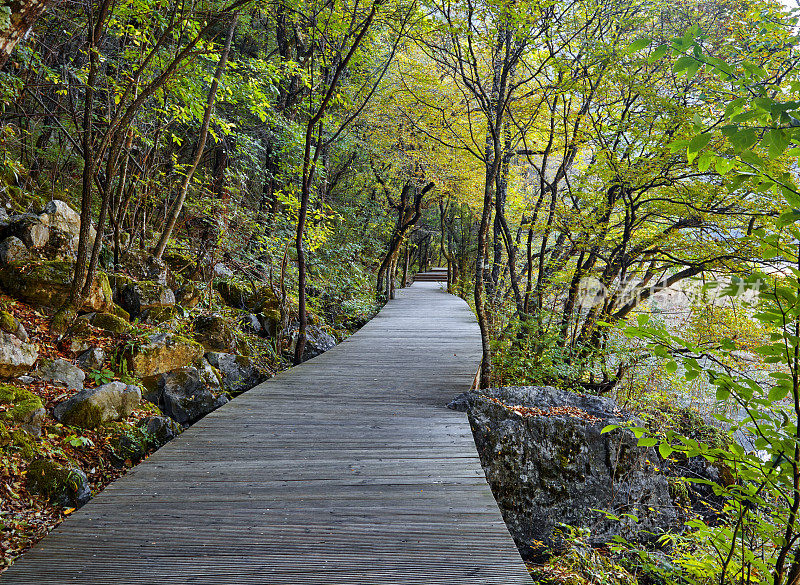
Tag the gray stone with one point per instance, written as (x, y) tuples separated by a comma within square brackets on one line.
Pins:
[(33, 230), (182, 395), (318, 342), (239, 373), (92, 359), (160, 429), (61, 372), (16, 356), (143, 295), (94, 406), (13, 250), (33, 421), (63, 486), (551, 464), (65, 228)]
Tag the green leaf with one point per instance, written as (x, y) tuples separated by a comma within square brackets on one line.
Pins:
[(671, 367), (778, 392), (637, 46), (647, 442), (696, 144), (658, 54), (665, 450), (608, 429), (682, 63), (723, 165)]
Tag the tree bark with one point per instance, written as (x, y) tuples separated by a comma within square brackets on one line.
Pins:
[(24, 13)]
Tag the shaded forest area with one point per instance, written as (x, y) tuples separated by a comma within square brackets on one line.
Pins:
[(254, 179)]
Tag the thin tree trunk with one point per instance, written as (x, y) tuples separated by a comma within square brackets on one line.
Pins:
[(309, 168), (177, 206)]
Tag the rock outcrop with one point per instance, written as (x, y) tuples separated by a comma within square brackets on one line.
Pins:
[(548, 463), (46, 283)]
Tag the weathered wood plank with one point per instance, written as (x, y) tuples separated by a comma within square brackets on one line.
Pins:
[(347, 469)]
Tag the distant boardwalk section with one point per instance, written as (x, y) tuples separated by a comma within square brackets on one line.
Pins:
[(347, 469)]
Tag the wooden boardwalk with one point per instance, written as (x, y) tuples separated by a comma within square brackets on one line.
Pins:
[(347, 469)]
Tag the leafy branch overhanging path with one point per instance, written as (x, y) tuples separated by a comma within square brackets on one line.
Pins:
[(347, 469)]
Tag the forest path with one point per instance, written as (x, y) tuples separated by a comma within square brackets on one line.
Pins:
[(347, 469)]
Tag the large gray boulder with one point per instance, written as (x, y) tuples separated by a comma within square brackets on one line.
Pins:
[(548, 463), (65, 227), (94, 406), (61, 372), (16, 356), (238, 372), (318, 341), (182, 395)]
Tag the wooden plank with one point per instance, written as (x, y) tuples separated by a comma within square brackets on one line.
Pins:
[(347, 469)]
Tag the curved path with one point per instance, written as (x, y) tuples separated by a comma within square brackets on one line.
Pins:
[(347, 469)]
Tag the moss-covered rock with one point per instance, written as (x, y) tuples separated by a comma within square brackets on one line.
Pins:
[(161, 353), (129, 444), (214, 332), (160, 429), (63, 486), (234, 293), (108, 322), (46, 283), (265, 301), (118, 282), (188, 295), (143, 295), (179, 262), (93, 407), (158, 315), (26, 409), (119, 312)]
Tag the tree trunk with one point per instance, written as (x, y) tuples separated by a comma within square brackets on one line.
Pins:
[(24, 13), (177, 206), (309, 167)]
